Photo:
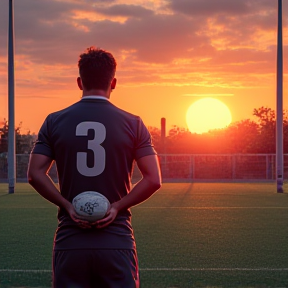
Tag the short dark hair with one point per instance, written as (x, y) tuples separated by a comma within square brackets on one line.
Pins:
[(97, 68)]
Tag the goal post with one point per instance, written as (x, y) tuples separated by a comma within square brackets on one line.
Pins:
[(279, 104), (11, 105)]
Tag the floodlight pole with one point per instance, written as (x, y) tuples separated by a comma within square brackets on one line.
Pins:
[(11, 107), (279, 110)]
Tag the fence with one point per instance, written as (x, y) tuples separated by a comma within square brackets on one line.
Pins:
[(195, 167), (220, 166)]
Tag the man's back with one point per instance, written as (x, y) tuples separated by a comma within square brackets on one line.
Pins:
[(94, 144)]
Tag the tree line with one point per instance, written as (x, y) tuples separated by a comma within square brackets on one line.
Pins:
[(23, 141), (245, 136)]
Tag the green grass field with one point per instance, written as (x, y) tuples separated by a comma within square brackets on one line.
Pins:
[(188, 235)]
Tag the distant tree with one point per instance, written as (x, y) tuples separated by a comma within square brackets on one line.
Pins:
[(242, 137), (4, 136), (266, 118), (178, 140), (245, 136), (24, 142), (285, 131), (156, 136)]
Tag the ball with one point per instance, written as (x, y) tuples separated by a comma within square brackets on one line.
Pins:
[(91, 205)]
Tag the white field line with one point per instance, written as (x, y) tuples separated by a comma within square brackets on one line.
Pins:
[(163, 269), (212, 207), (214, 269), (173, 207)]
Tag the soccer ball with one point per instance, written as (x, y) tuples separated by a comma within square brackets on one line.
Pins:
[(91, 205)]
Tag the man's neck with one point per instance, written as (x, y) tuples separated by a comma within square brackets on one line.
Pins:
[(96, 92)]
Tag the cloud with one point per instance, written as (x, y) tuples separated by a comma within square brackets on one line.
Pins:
[(59, 38), (196, 36), (125, 11), (202, 8), (209, 8)]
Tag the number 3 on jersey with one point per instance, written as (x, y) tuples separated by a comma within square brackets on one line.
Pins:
[(94, 145)]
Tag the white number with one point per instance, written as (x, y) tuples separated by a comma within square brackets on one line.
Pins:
[(94, 145)]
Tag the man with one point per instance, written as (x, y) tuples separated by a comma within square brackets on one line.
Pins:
[(94, 145)]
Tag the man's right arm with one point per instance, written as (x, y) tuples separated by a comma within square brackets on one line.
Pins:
[(38, 178), (145, 188)]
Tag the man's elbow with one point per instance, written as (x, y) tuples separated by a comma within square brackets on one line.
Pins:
[(157, 186), (31, 176), (155, 183)]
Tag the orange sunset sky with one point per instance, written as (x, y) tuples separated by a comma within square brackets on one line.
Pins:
[(170, 53)]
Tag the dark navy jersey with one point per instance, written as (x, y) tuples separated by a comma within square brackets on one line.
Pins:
[(94, 145)]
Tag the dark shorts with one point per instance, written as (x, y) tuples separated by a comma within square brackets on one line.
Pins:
[(95, 269)]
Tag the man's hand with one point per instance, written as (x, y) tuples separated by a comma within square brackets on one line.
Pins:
[(108, 218), (81, 222)]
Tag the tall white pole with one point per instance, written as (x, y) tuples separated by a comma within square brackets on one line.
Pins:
[(279, 109), (11, 106)]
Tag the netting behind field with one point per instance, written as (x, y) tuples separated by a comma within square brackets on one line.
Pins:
[(187, 167), (221, 166), (22, 161)]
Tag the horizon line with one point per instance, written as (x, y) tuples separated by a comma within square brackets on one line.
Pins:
[(208, 95)]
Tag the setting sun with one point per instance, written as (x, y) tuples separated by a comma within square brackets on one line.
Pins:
[(207, 114)]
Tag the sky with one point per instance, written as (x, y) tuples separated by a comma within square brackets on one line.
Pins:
[(169, 53)]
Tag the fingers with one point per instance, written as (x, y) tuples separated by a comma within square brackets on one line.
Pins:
[(103, 222), (109, 218), (97, 224), (81, 222), (78, 219), (84, 225)]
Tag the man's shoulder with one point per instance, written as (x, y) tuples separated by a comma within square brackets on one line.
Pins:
[(54, 115), (68, 108), (127, 114)]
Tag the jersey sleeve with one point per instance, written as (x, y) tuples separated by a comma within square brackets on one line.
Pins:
[(43, 143), (144, 146)]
